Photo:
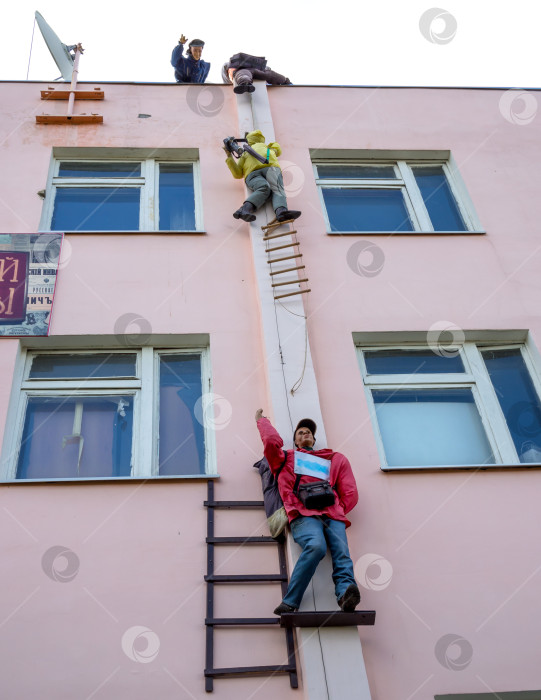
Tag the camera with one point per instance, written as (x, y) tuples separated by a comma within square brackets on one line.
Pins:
[(232, 145)]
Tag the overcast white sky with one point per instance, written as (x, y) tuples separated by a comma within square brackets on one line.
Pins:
[(329, 42)]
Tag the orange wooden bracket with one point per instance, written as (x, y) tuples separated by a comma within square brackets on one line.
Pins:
[(53, 94), (74, 119)]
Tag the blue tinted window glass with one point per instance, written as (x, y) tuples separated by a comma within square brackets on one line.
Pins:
[(344, 172), (177, 203), (83, 366), (96, 209), (76, 437), (438, 199), (423, 396), (366, 210), (411, 362), (431, 427), (104, 169), (518, 399), (182, 439)]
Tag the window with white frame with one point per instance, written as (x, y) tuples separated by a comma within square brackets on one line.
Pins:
[(500, 695), (393, 196), (110, 414), (473, 405), (122, 195)]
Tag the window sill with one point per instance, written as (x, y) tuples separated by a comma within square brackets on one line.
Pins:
[(109, 233), (467, 468), (405, 233), (114, 479)]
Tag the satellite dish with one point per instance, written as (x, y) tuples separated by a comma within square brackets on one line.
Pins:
[(59, 51)]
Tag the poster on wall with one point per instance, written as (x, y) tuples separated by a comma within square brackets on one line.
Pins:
[(28, 270)]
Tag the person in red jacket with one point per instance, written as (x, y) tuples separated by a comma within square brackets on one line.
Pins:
[(313, 530)]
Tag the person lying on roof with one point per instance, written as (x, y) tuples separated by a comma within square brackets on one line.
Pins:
[(242, 68)]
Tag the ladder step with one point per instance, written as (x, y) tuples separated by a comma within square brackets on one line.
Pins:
[(275, 223), (240, 621), (249, 670), (279, 235), (281, 247), (292, 294), (263, 539), (331, 618), (289, 269), (245, 578), (290, 257), (234, 504), (281, 284)]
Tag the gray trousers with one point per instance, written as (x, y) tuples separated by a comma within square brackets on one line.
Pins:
[(263, 182)]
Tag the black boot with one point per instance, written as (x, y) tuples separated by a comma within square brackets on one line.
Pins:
[(283, 214), (246, 212), (283, 608), (351, 598), (240, 89)]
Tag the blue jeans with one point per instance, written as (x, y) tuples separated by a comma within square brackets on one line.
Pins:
[(313, 534)]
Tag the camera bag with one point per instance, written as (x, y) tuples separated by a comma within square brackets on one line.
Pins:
[(316, 495)]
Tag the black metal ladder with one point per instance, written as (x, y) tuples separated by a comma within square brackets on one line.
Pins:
[(213, 579)]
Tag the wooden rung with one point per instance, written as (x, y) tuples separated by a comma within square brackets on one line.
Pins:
[(278, 235), (275, 224), (280, 284), (292, 294), (281, 247), (289, 269), (289, 257), (74, 119), (79, 94)]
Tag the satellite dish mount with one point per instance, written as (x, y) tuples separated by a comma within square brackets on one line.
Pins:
[(67, 60)]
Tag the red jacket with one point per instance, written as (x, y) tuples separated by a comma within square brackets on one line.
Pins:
[(341, 476)]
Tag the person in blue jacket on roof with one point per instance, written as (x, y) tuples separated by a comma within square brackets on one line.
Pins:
[(190, 68)]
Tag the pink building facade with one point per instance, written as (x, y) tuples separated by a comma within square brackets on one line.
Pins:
[(416, 350)]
